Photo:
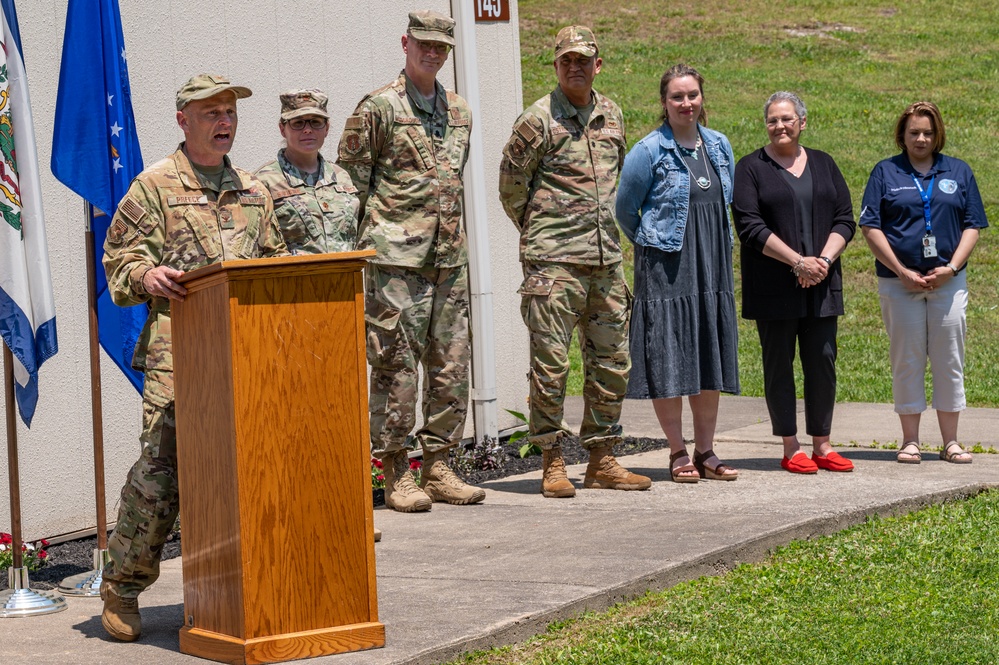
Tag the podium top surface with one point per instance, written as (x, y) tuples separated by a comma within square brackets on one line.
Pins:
[(253, 268)]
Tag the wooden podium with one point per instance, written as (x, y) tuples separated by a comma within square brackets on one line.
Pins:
[(274, 460)]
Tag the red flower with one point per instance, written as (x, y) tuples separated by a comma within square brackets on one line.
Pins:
[(44, 542), (6, 539), (377, 463), (42, 554), (380, 478), (415, 465)]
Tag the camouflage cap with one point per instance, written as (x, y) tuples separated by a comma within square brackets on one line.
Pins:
[(295, 103), (431, 26), (575, 38), (203, 86)]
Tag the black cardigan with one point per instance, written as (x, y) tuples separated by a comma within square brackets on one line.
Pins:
[(763, 203)]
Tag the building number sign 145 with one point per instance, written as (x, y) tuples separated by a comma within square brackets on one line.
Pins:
[(492, 10)]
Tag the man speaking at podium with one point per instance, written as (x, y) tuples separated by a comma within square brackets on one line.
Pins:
[(189, 210)]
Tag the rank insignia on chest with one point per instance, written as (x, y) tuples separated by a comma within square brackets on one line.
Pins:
[(225, 217)]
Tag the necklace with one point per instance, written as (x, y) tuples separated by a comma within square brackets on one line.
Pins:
[(703, 181), (691, 152), (777, 158)]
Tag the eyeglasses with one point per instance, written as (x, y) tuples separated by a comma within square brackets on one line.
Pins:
[(787, 121), (430, 47), (298, 124)]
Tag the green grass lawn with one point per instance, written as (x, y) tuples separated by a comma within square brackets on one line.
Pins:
[(921, 588), (857, 65)]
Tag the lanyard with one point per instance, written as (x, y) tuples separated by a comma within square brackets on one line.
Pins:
[(926, 195)]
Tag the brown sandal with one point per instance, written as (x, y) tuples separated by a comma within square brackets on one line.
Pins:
[(911, 451), (717, 473), (686, 468), (955, 457)]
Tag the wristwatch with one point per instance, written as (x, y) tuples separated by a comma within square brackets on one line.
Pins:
[(827, 260), (952, 268)]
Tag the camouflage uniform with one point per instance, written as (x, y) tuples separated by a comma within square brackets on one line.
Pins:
[(170, 217), (314, 219), (406, 156), (558, 181)]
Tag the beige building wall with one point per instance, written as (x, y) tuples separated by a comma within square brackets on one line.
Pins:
[(345, 47)]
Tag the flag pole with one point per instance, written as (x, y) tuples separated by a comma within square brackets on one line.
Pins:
[(89, 584), (13, 472), (19, 600)]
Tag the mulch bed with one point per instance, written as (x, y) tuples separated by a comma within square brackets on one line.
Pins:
[(76, 556)]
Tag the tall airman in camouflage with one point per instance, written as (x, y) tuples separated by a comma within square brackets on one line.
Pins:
[(405, 148), (315, 201), (189, 210), (558, 182)]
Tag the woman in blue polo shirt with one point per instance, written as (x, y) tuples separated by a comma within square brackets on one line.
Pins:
[(921, 217)]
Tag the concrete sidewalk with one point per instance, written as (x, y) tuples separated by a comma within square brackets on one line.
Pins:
[(467, 577)]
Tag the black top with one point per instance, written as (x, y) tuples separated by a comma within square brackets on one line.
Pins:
[(802, 187), (763, 203)]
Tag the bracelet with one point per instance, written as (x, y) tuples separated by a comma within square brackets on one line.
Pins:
[(796, 268), (953, 269), (827, 260)]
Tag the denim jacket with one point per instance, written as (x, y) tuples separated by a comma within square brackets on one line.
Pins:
[(654, 192)]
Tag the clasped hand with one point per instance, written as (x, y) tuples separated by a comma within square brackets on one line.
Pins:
[(931, 281), (813, 270)]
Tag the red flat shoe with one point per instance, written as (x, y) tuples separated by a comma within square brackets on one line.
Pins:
[(833, 462), (799, 463)]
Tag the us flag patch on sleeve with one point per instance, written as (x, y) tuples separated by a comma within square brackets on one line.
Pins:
[(132, 210)]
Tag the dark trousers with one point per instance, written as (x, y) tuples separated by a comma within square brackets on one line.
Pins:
[(816, 340)]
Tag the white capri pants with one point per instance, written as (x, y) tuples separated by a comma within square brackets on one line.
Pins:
[(921, 325)]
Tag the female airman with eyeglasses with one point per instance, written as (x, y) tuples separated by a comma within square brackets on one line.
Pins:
[(315, 201)]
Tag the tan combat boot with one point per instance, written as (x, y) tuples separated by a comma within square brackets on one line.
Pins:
[(440, 483), (554, 483), (121, 615), (603, 472), (401, 492)]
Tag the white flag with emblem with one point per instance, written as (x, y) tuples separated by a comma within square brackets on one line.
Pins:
[(27, 308)]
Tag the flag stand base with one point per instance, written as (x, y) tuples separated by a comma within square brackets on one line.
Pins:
[(21, 601), (86, 585)]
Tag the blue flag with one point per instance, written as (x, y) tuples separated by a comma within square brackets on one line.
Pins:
[(95, 148)]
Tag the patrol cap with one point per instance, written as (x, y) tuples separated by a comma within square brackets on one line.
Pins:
[(311, 101), (431, 26), (575, 39), (203, 86)]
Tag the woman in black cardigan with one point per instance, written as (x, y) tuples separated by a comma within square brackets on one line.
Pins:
[(793, 214)]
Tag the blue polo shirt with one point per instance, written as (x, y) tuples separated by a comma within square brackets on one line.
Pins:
[(892, 203)]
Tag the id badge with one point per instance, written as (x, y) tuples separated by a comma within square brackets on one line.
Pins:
[(929, 247)]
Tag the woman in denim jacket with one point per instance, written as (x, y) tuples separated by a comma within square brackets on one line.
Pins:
[(672, 203)]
